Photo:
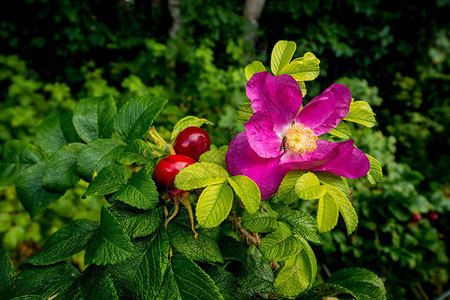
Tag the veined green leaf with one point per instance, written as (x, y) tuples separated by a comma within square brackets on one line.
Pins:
[(257, 277), (261, 221), (345, 208), (214, 205), (304, 68), (281, 55), (56, 131), (137, 151), (376, 172), (244, 112), (254, 67), (185, 123), (111, 245), (136, 116), (7, 270), (215, 157), (342, 130), (224, 280), (247, 190), (109, 180), (327, 213), (93, 117), (96, 283), (302, 85), (361, 113), (200, 175), (280, 244), (337, 181), (308, 187), (286, 192)]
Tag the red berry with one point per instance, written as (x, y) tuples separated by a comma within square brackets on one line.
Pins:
[(193, 142), (168, 167), (433, 216), (416, 217)]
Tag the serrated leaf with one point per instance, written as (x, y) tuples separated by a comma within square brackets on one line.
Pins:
[(327, 213), (65, 242), (375, 174), (261, 221), (96, 283), (342, 130), (215, 157), (280, 244), (16, 157), (361, 113), (337, 181), (257, 277), (200, 175), (308, 187), (247, 190), (286, 192), (300, 222), (137, 223), (97, 155), (31, 193), (224, 280), (60, 172), (7, 270), (203, 249), (345, 208), (184, 279), (232, 249), (140, 191), (244, 112), (185, 123), (111, 245), (303, 88), (281, 55), (304, 68), (108, 181), (214, 205), (137, 151), (93, 117), (253, 68), (56, 131)]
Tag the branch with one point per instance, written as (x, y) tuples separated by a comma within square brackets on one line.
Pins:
[(251, 238)]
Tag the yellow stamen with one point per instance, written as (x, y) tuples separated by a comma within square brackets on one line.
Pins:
[(301, 139)]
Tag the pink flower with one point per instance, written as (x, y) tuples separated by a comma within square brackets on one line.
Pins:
[(279, 138)]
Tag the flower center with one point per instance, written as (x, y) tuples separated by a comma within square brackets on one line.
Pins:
[(301, 139)]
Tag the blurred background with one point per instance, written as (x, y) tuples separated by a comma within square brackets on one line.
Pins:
[(392, 54)]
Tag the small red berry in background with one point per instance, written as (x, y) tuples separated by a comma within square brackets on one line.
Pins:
[(168, 167), (193, 142), (432, 216), (416, 217)]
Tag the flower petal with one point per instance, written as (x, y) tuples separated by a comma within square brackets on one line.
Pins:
[(266, 172), (261, 136), (325, 111), (280, 95), (339, 158)]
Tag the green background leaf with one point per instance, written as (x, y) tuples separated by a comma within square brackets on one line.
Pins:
[(56, 131)]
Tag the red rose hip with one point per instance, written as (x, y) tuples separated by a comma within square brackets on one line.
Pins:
[(416, 217), (168, 167), (193, 142)]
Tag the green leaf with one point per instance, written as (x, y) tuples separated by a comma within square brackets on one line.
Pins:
[(186, 122), (96, 283), (342, 130), (184, 279), (247, 190), (244, 112), (137, 151), (281, 55), (97, 155), (65, 242), (60, 172), (286, 192), (111, 245), (232, 249), (303, 88), (140, 191), (93, 117), (361, 113), (376, 172), (203, 249), (254, 67), (327, 213), (29, 297), (135, 117), (30, 192), (280, 244), (215, 157), (56, 131), (109, 180), (337, 181), (137, 223), (304, 68), (308, 187), (7, 270), (16, 157), (41, 280), (224, 280), (257, 277), (261, 221), (300, 222), (345, 208), (200, 175), (214, 205)]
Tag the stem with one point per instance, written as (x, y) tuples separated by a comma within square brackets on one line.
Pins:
[(177, 206), (185, 200), (250, 238), (160, 142)]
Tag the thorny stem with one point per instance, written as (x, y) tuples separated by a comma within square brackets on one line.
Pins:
[(251, 238)]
